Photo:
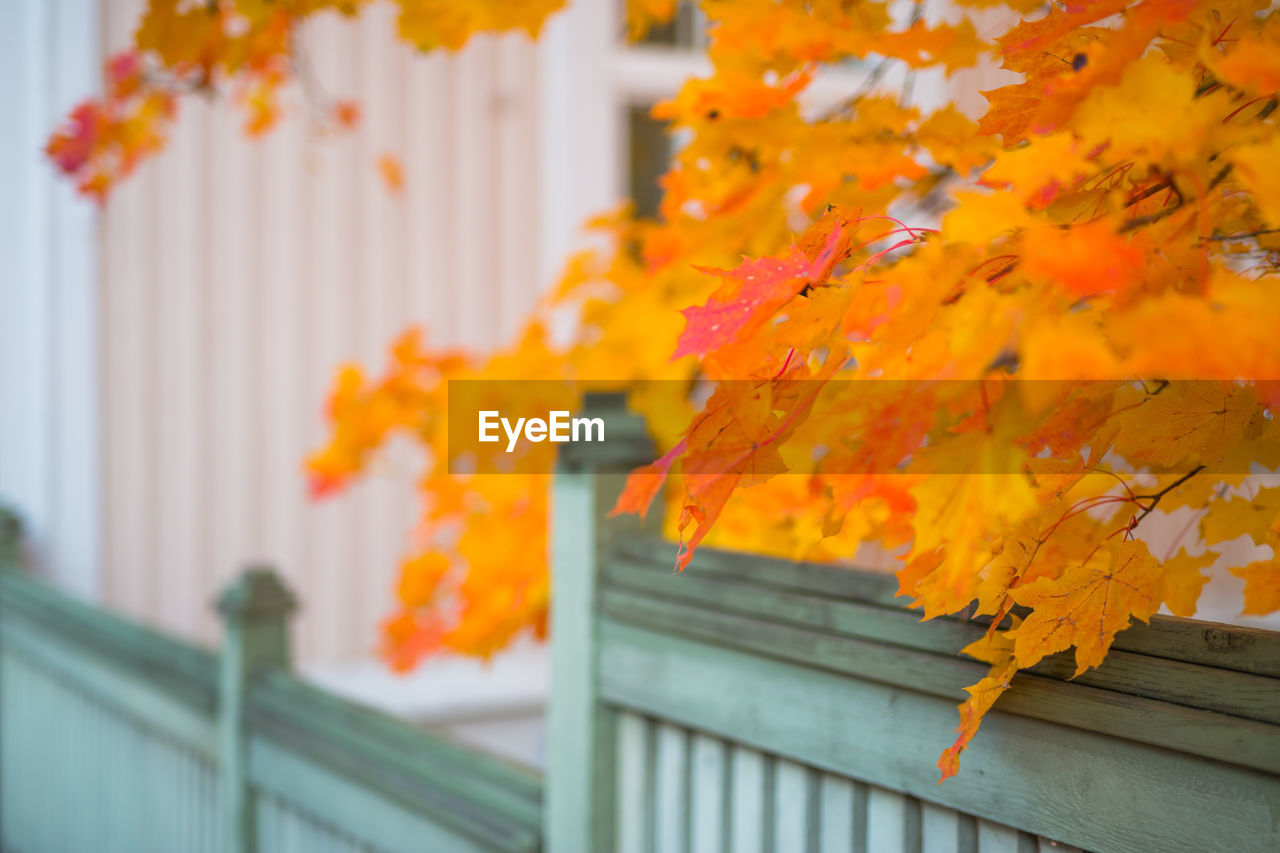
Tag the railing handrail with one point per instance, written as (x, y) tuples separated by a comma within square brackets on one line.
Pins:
[(1240, 648)]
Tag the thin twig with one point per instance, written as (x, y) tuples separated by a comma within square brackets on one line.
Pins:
[(1246, 235), (1155, 498), (1166, 184)]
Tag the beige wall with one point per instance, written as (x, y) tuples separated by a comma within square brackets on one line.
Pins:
[(236, 275)]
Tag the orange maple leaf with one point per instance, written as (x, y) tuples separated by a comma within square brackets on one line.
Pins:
[(643, 484), (1084, 260)]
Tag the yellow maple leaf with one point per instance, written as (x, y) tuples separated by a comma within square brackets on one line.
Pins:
[(1184, 578), (1257, 166), (998, 577), (1088, 604), (429, 24), (1133, 118), (981, 697), (956, 512), (1239, 516), (1037, 172), (1188, 423), (980, 217), (1261, 586)]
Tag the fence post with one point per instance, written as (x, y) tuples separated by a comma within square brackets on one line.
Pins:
[(255, 611), (10, 538), (581, 732)]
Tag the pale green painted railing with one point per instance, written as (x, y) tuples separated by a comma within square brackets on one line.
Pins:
[(749, 704), (117, 738), (753, 704)]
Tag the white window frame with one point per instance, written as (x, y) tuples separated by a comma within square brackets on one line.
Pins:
[(589, 76)]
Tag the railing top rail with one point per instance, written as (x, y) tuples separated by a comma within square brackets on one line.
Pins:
[(1233, 647), (151, 654), (476, 794)]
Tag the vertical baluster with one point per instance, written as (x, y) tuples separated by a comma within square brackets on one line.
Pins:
[(836, 815), (747, 821), (939, 829), (996, 838), (671, 800), (886, 821), (634, 786), (791, 806), (708, 796)]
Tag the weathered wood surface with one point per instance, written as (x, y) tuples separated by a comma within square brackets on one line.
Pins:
[(1226, 647), (1095, 791), (1171, 700)]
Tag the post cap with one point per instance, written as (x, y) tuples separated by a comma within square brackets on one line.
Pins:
[(10, 535), (626, 445), (257, 594), (10, 527)]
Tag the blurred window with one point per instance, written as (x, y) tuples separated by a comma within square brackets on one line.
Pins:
[(652, 70), (649, 150), (686, 30)]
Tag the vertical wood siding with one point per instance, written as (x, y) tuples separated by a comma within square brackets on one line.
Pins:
[(237, 275)]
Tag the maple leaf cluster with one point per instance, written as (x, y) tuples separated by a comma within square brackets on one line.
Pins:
[(103, 140), (250, 50), (997, 349)]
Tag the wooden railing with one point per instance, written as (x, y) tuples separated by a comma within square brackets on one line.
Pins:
[(749, 704), (757, 704), (114, 737)]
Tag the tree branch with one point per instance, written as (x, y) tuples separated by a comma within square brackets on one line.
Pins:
[(1155, 498)]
